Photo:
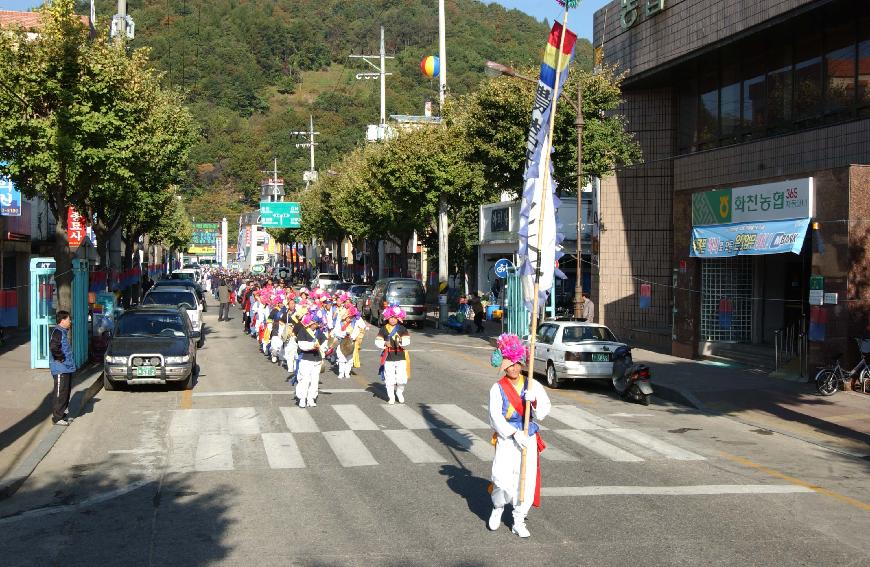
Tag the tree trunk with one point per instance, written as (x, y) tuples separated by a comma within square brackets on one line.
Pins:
[(63, 258), (403, 257)]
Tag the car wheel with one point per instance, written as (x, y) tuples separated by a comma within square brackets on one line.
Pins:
[(552, 380), (190, 381), (108, 385), (200, 341)]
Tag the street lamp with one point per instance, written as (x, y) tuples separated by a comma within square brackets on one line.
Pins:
[(494, 69)]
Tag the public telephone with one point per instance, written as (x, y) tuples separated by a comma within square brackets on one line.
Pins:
[(43, 301)]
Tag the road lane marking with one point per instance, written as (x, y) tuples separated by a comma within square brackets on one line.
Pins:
[(181, 451), (657, 445), (577, 418), (214, 452), (355, 418), (239, 421), (797, 482), (282, 451), (598, 446), (413, 447), (458, 416), (699, 490), (471, 443), (541, 426), (408, 417), (299, 420), (557, 455), (242, 421), (454, 345), (276, 392), (186, 399), (349, 449), (133, 451)]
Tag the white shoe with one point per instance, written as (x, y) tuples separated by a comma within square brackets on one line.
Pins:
[(400, 398), (520, 529), (274, 360), (495, 518), (312, 403), (301, 403), (391, 402)]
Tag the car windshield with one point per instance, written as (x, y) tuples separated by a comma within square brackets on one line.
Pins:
[(160, 297), (407, 292), (329, 277), (578, 334), (150, 325), (358, 290)]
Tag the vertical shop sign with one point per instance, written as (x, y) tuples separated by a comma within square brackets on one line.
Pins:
[(645, 296)]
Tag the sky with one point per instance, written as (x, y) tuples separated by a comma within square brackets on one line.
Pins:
[(579, 20)]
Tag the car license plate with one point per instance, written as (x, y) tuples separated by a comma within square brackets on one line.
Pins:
[(600, 357), (146, 371)]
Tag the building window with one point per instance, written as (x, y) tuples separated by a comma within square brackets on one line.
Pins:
[(863, 86), (754, 118), (839, 64), (729, 98), (708, 105), (779, 87), (808, 73)]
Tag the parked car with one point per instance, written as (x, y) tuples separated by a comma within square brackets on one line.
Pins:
[(151, 345), (181, 297), (407, 292), (571, 350), (361, 295), (197, 289), (185, 274), (326, 281), (343, 286)]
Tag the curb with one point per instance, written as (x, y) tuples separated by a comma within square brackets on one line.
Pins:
[(13, 481)]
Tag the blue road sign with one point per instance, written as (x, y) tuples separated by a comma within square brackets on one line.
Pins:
[(501, 268)]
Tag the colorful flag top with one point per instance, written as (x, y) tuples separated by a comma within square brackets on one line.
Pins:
[(534, 196)]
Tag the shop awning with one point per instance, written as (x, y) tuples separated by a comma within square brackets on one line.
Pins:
[(749, 239)]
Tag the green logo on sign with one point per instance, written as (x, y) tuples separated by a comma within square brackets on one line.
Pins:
[(711, 207)]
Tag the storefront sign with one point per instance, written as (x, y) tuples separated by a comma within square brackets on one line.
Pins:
[(817, 297), (817, 282), (204, 240), (749, 239), (831, 299), (499, 219), (631, 10), (75, 228), (10, 198), (782, 200)]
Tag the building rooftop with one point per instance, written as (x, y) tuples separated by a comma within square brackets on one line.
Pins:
[(30, 21)]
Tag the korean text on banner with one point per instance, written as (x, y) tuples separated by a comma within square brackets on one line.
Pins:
[(75, 228), (10, 198), (534, 196)]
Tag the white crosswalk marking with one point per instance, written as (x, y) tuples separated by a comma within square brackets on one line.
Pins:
[(349, 449), (577, 418), (412, 446), (237, 421), (299, 420), (355, 418), (657, 445), (468, 441), (598, 446), (541, 426), (553, 454), (282, 451), (242, 421), (214, 452), (181, 451), (408, 417), (458, 416)]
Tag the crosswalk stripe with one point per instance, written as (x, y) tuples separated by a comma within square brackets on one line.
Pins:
[(236, 421), (468, 441), (408, 417), (554, 454), (355, 418), (657, 445), (242, 421), (299, 420), (214, 452), (349, 449), (578, 419), (458, 416), (282, 451), (181, 451), (598, 446), (412, 446)]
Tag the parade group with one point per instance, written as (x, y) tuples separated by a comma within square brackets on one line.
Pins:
[(305, 328)]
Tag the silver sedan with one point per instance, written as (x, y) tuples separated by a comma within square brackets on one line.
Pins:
[(568, 350)]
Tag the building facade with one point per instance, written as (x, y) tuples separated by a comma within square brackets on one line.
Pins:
[(748, 221)]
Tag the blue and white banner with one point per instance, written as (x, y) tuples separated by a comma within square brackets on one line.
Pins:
[(10, 198), (749, 239), (534, 196)]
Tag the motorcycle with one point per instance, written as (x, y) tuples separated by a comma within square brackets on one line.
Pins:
[(631, 381)]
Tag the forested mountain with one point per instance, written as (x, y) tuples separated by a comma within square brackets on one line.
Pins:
[(253, 71)]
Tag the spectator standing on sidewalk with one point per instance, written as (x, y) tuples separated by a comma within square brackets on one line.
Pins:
[(587, 312), (224, 298), (477, 308), (62, 366)]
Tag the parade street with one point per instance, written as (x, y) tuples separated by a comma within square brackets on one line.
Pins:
[(232, 472)]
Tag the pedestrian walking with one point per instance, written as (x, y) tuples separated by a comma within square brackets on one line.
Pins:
[(310, 341), (477, 308), (395, 368), (587, 309), (346, 332), (62, 366), (514, 445), (224, 300)]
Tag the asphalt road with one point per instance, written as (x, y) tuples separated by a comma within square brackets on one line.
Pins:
[(233, 473)]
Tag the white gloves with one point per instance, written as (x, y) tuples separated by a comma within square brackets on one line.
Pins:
[(522, 439)]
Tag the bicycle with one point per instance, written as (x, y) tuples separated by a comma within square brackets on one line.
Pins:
[(832, 378)]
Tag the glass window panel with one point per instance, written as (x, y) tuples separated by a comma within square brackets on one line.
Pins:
[(779, 85), (754, 88), (864, 64), (708, 105), (839, 62), (807, 70), (687, 102), (729, 97)]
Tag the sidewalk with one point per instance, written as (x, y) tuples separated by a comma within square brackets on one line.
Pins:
[(25, 405), (841, 422)]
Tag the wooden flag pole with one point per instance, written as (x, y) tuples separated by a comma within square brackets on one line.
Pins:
[(545, 186)]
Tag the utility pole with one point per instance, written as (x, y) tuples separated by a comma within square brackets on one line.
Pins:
[(380, 74), (122, 24), (443, 226), (309, 176), (578, 287)]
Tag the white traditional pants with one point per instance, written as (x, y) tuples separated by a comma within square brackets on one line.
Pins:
[(506, 476), (395, 378), (308, 380), (345, 363), (275, 344), (289, 354)]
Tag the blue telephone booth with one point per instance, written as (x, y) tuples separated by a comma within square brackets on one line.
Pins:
[(43, 297), (79, 311)]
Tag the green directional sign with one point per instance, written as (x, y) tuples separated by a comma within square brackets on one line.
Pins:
[(280, 215)]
